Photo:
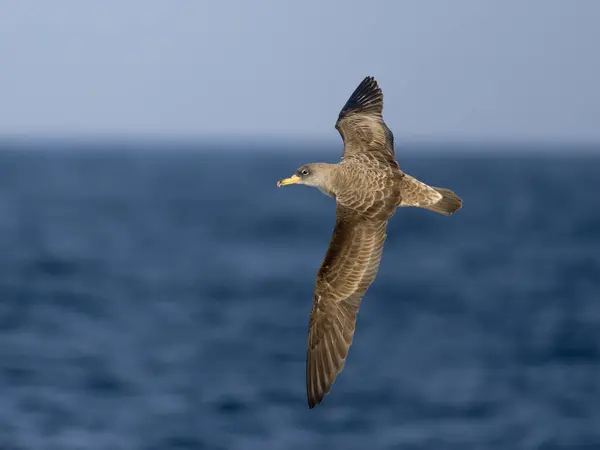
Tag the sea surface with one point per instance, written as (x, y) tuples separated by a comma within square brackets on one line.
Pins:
[(159, 300)]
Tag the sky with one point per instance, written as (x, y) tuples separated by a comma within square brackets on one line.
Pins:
[(463, 69)]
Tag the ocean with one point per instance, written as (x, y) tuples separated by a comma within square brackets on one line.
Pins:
[(159, 300)]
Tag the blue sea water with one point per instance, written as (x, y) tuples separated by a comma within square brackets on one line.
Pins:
[(160, 300)]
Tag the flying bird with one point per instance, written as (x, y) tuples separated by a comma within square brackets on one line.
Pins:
[(367, 185)]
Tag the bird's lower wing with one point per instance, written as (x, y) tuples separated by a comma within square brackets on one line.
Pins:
[(349, 268)]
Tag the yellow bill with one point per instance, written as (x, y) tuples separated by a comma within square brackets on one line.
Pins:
[(294, 179)]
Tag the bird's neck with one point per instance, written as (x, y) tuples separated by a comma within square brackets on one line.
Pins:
[(327, 181)]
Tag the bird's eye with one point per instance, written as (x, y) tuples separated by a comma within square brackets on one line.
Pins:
[(304, 172)]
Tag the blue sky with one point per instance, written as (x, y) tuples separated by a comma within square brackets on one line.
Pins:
[(465, 69)]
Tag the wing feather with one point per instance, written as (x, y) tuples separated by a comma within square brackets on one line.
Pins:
[(349, 268), (361, 124)]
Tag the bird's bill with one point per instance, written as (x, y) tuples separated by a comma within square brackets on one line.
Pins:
[(294, 179)]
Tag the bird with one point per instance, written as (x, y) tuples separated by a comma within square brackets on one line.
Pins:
[(368, 186)]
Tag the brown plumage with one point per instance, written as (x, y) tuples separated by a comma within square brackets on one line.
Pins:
[(368, 186)]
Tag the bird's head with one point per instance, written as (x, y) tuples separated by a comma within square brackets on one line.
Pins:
[(313, 174)]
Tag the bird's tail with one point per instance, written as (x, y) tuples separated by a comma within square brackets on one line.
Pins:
[(447, 205), (416, 193)]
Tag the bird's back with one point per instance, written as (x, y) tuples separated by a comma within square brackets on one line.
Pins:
[(369, 186)]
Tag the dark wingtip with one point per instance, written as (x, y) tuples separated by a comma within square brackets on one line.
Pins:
[(312, 402), (312, 395), (367, 98)]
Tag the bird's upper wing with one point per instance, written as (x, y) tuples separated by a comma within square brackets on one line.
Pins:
[(349, 268), (361, 125)]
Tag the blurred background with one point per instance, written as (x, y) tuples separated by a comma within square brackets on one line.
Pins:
[(155, 286)]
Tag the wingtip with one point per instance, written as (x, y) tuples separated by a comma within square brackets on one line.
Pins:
[(370, 79), (312, 402), (368, 84), (366, 98), (313, 396)]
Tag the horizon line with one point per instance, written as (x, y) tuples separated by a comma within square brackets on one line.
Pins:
[(289, 141)]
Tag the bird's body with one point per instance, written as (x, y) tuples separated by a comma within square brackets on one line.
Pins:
[(368, 185)]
